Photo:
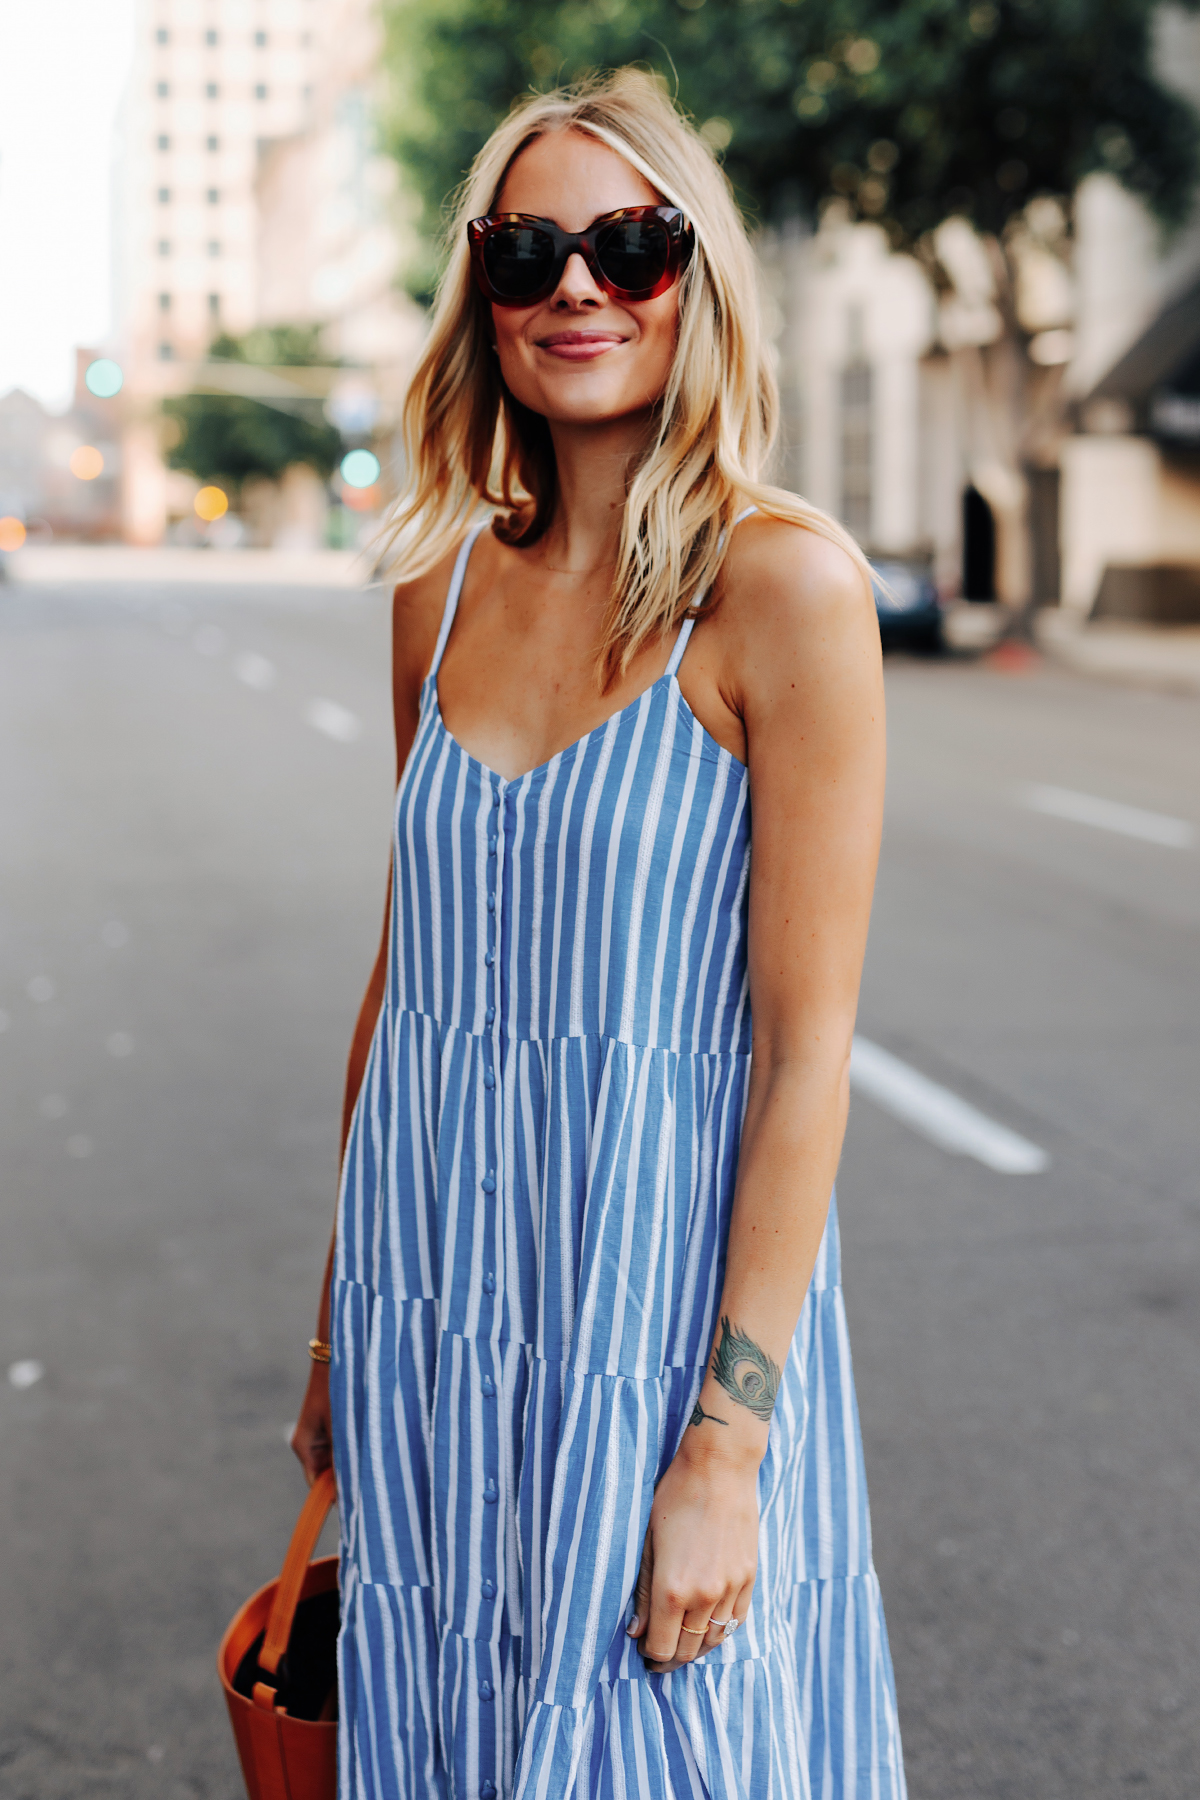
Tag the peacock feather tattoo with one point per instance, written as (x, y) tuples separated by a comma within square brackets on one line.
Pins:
[(745, 1371)]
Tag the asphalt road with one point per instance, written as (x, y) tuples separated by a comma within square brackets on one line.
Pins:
[(192, 862)]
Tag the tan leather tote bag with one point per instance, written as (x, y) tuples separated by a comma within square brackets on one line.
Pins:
[(278, 1667)]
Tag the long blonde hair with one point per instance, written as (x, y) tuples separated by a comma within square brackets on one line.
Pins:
[(471, 443)]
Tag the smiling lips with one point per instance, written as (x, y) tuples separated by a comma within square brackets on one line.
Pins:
[(580, 346)]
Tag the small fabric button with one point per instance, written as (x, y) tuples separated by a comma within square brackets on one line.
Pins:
[(488, 1590), (489, 1080), (488, 1791), (490, 958), (488, 1184), (487, 1385), (491, 902), (490, 1014), (492, 845), (485, 1693), (491, 1492), (489, 1282)]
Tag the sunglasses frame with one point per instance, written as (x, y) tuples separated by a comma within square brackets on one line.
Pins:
[(681, 242)]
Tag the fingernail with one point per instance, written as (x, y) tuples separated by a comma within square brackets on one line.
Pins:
[(633, 1624)]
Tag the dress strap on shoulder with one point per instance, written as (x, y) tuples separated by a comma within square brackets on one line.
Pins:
[(455, 589), (685, 632)]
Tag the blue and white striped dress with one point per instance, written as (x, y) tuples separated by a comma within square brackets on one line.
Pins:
[(531, 1235)]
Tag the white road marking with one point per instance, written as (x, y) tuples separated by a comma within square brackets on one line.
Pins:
[(337, 722), (939, 1115), (119, 1043), (40, 989), (25, 1374), (1110, 815), (255, 670)]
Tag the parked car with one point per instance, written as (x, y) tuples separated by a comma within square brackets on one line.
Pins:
[(907, 605)]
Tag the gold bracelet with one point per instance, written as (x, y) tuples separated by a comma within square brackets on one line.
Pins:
[(320, 1352)]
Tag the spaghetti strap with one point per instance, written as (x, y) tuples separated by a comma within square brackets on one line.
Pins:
[(685, 632), (455, 589)]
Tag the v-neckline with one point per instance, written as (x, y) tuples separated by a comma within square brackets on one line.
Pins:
[(668, 678)]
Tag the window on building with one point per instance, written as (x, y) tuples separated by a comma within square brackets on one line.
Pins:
[(260, 38), (165, 352), (214, 247), (210, 37), (164, 196), (211, 90), (164, 142), (260, 91), (857, 434), (162, 35), (214, 307), (214, 195), (163, 90), (214, 143), (164, 303), (164, 247)]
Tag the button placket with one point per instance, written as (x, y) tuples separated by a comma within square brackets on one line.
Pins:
[(489, 1184)]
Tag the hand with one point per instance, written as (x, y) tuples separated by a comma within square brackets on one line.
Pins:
[(312, 1440), (700, 1556)]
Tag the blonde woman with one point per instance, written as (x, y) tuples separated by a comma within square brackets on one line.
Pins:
[(604, 1521)]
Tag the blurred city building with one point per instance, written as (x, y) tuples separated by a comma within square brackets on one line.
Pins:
[(1025, 418), (60, 472), (249, 194)]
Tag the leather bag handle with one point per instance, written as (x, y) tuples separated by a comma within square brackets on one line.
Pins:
[(313, 1514)]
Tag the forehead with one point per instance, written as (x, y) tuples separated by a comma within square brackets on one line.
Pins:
[(571, 177)]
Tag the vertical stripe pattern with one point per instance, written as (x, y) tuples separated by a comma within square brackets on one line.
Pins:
[(533, 1212)]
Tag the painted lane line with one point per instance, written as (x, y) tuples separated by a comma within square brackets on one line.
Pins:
[(337, 722), (939, 1115), (255, 671), (1110, 815)]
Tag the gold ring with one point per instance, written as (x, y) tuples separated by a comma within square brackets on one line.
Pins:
[(692, 1630)]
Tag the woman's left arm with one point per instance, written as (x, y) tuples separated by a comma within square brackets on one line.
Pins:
[(801, 642)]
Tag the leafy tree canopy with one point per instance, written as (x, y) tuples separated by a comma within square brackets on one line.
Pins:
[(228, 438), (279, 346), (910, 109)]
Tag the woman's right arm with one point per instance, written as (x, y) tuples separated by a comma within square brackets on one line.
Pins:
[(416, 615)]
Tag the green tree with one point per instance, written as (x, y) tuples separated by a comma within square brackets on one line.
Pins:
[(230, 438), (912, 110)]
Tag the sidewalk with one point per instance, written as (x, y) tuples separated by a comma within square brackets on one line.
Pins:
[(1166, 657), (120, 563)]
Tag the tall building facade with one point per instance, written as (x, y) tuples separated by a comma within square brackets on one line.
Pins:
[(251, 192), (212, 81)]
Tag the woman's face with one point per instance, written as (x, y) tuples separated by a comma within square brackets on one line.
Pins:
[(579, 356)]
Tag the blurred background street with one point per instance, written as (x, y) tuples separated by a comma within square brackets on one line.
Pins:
[(979, 239)]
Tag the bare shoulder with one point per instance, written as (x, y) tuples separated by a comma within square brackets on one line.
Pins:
[(780, 576), (796, 632)]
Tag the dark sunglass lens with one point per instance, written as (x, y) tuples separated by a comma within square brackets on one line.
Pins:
[(518, 260), (633, 253)]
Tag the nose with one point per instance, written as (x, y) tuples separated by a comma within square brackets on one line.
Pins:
[(577, 286)]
